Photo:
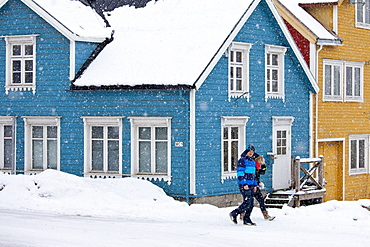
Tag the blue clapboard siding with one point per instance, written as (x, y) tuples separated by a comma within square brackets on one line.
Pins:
[(53, 98), (260, 29)]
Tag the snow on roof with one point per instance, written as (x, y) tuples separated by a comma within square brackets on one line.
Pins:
[(307, 20), (72, 18), (316, 1), (167, 42)]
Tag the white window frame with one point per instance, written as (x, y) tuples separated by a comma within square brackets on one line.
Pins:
[(103, 121), (279, 51), (7, 121), (22, 41), (44, 121), (152, 122), (359, 170), (363, 14), (243, 48), (342, 83), (239, 122)]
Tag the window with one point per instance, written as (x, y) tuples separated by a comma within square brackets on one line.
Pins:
[(151, 147), (239, 70), (359, 148), (21, 63), (103, 145), (363, 13), (233, 144), (274, 74), (7, 126), (41, 143), (343, 81)]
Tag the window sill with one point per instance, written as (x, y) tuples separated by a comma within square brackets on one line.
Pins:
[(155, 177), (20, 88), (358, 172)]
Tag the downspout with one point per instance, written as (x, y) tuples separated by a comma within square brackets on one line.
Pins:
[(14, 127), (187, 182), (317, 104)]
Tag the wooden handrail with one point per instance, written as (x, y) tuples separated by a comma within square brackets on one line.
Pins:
[(298, 182)]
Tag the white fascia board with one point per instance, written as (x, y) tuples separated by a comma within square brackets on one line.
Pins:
[(198, 83), (57, 24), (293, 45)]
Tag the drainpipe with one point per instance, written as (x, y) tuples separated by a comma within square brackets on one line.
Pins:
[(14, 127), (317, 104)]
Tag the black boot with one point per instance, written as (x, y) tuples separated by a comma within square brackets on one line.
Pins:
[(233, 216)]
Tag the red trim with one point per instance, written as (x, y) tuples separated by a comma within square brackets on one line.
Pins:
[(302, 43)]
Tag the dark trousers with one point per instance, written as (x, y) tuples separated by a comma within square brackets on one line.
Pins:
[(260, 199), (247, 204)]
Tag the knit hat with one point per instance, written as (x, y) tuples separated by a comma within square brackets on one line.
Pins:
[(249, 148)]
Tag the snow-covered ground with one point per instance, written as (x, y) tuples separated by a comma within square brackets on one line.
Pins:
[(59, 209)]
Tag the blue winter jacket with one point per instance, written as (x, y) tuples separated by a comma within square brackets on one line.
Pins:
[(246, 170)]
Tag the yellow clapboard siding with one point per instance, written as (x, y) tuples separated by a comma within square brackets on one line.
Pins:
[(341, 119)]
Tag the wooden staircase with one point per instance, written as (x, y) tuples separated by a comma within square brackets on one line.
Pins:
[(305, 188)]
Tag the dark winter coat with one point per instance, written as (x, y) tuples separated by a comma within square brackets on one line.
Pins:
[(246, 170)]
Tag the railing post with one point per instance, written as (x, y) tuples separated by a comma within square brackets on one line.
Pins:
[(297, 168), (321, 171)]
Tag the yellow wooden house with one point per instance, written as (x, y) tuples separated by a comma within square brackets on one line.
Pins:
[(334, 38)]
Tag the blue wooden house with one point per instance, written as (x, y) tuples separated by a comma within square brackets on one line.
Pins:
[(171, 93)]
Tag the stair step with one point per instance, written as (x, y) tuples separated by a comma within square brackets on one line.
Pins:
[(274, 205)]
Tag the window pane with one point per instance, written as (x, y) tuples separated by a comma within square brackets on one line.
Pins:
[(37, 154), (97, 155), (16, 50), (161, 133), (349, 81), (336, 80), (353, 154), (8, 131), (28, 50), (231, 56), (234, 133), (234, 155), (37, 131), (97, 132), (16, 77), (7, 153), (113, 132), (328, 80), (239, 57), (52, 131), (239, 73), (226, 133), (144, 133), (28, 65), (52, 154), (268, 59), (113, 155), (239, 85), (361, 154), (275, 60), (357, 82), (161, 157), (17, 65), (144, 157), (226, 156)]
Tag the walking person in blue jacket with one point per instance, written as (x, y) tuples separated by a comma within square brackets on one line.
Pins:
[(246, 171)]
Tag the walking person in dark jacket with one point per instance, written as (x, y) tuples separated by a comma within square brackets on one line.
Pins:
[(247, 183)]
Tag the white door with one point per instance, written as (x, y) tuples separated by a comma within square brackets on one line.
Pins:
[(281, 168)]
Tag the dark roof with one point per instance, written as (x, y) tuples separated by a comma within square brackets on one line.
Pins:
[(109, 5)]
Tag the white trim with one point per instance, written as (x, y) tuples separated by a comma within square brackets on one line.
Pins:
[(198, 83), (136, 122), (293, 45), (232, 121), (29, 121), (335, 19), (280, 51), (244, 48), (192, 144), (72, 59), (103, 121), (358, 171), (20, 40), (331, 140)]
